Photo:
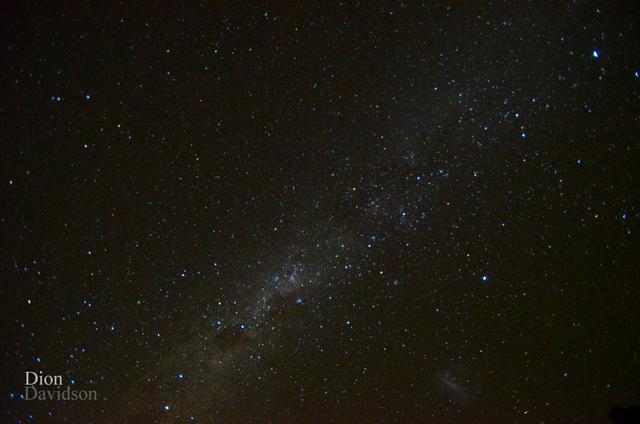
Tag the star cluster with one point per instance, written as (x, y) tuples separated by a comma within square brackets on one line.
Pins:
[(310, 212)]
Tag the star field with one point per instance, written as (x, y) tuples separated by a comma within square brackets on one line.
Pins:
[(346, 212)]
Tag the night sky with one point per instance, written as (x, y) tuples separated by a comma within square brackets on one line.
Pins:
[(321, 212)]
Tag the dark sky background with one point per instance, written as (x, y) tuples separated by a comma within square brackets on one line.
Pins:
[(321, 212)]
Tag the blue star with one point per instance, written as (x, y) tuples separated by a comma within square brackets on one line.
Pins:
[(167, 408), (485, 278), (595, 54)]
